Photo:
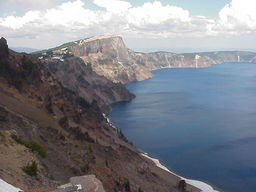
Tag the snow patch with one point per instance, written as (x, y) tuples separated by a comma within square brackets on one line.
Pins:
[(6, 187), (157, 163), (198, 184), (108, 121)]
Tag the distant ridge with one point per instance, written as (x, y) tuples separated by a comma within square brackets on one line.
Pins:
[(23, 49), (108, 56)]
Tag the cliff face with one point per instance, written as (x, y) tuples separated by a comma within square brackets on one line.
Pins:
[(66, 136), (159, 60), (108, 56), (79, 78)]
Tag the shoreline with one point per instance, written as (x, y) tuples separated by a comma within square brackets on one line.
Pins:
[(202, 186)]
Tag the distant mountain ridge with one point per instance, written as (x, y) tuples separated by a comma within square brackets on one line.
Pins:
[(23, 49), (109, 56)]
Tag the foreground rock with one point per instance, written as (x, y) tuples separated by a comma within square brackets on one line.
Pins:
[(88, 183), (6, 187)]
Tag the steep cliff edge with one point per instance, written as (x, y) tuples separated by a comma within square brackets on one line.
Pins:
[(108, 56), (84, 82), (61, 135)]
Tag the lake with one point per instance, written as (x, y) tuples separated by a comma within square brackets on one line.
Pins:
[(201, 123)]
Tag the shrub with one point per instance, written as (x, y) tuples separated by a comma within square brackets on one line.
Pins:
[(127, 186), (31, 169), (90, 148), (82, 103), (48, 107), (63, 122), (106, 162), (123, 137), (35, 147), (17, 139), (32, 145)]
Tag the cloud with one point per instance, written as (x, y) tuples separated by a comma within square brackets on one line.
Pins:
[(156, 13), (18, 22), (239, 16), (71, 14), (119, 17), (27, 4), (113, 6), (73, 20)]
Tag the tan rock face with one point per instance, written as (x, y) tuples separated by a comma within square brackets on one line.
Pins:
[(111, 58)]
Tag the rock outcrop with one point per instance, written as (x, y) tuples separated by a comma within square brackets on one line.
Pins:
[(4, 51), (108, 56), (88, 183)]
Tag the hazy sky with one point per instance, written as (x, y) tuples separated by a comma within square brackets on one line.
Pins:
[(145, 25)]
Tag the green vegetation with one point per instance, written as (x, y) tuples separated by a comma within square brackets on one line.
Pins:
[(63, 122), (31, 169), (54, 49), (106, 163), (140, 190), (32, 145), (90, 148), (123, 137), (127, 186)]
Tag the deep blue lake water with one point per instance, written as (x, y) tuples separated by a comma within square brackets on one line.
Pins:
[(200, 122)]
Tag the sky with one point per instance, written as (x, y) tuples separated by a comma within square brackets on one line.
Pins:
[(145, 25)]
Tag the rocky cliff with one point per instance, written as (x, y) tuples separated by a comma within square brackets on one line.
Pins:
[(54, 134), (158, 60), (84, 82), (108, 56)]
